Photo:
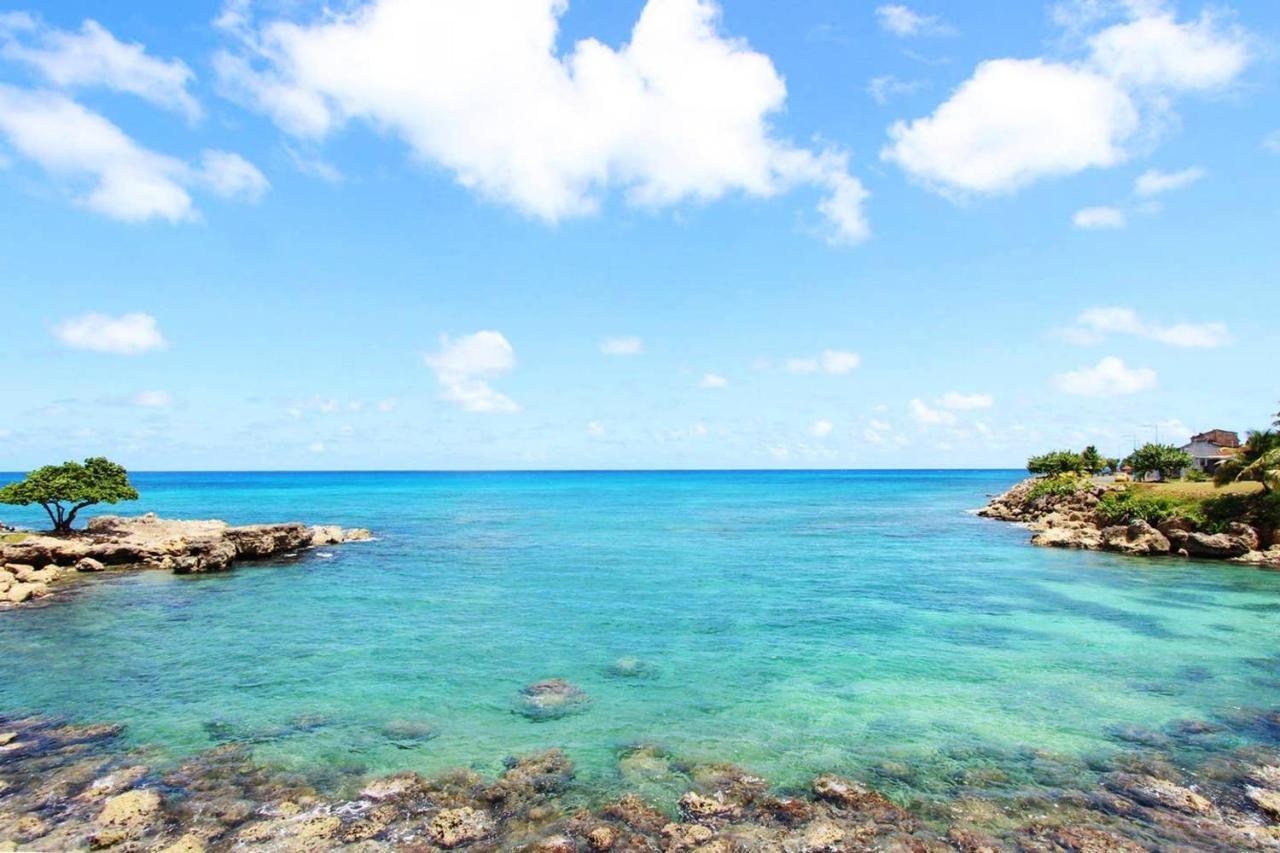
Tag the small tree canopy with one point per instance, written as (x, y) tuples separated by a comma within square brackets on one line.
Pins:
[(63, 490), (1163, 459), (1091, 460), (1056, 462)]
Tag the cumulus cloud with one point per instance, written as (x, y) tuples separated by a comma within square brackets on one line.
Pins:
[(113, 174), (93, 57), (1108, 378), (1017, 121), (957, 400), (1154, 182), (1094, 325), (626, 345), (926, 415), (713, 380), (128, 334), (904, 21), (832, 361), (679, 113), (463, 366), (821, 429), (1096, 218)]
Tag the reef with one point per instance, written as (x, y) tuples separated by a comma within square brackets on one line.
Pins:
[(35, 566), (77, 787)]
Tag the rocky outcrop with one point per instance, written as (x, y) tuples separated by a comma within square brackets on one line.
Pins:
[(1071, 521), (150, 542)]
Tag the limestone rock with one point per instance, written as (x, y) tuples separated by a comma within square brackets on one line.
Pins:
[(89, 564), (20, 592), (1266, 800), (552, 699), (1068, 537), (696, 807), (1219, 546), (1138, 538), (1159, 793), (453, 827), (602, 838), (128, 815)]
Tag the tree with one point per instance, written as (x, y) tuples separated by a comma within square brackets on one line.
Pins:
[(63, 490), (1091, 461), (1056, 462), (1258, 460), (1163, 459)]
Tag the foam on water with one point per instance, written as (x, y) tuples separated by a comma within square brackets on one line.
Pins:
[(790, 622)]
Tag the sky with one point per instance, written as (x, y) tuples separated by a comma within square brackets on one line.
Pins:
[(510, 234)]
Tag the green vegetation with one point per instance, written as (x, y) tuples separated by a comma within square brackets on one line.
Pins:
[(1127, 505), (1087, 461), (1258, 461), (1163, 459), (1058, 485), (63, 490)]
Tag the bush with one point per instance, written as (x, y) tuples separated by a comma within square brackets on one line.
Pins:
[(1259, 510), (1195, 475), (1057, 462), (1059, 485), (1123, 507)]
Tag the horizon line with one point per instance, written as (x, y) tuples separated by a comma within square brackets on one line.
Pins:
[(539, 470)]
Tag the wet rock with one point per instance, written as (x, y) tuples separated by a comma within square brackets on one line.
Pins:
[(189, 843), (636, 814), (115, 782), (1159, 793), (971, 841), (1266, 800), (397, 787), (788, 811), (642, 764), (853, 795), (602, 838), (556, 844), (1084, 839), (686, 836), (696, 807), (127, 816), (552, 699), (822, 836), (453, 827), (1085, 538)]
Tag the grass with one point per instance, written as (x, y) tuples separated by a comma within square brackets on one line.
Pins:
[(1180, 490), (13, 538)]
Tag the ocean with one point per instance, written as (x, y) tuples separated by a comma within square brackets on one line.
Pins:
[(863, 622)]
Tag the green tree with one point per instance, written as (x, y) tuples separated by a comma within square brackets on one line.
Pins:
[(1163, 459), (1056, 462), (1091, 460), (63, 490), (1257, 460)]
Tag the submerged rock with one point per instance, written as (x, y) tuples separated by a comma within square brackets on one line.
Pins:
[(454, 827), (552, 699), (629, 667)]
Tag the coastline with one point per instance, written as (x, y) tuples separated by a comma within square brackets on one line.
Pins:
[(1071, 519), (36, 566)]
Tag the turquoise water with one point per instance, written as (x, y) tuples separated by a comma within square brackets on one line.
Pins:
[(789, 622)]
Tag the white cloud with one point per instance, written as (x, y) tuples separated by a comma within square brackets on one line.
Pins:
[(903, 21), (925, 415), (596, 428), (1154, 182), (885, 88), (94, 57), (959, 401), (626, 345), (713, 380), (231, 176), (462, 366), (129, 334), (1271, 142), (152, 399), (821, 429), (679, 113), (1095, 324), (835, 362), (120, 178), (1155, 52), (1095, 218), (1108, 378), (388, 405), (1016, 121)]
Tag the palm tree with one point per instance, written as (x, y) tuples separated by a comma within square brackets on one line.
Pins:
[(1257, 460)]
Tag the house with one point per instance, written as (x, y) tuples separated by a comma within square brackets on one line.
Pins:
[(1208, 449)]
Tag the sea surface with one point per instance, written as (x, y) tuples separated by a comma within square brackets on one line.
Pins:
[(789, 622)]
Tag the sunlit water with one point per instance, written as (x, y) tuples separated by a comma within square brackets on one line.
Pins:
[(789, 622)]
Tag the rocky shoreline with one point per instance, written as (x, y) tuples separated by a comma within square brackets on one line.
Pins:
[(35, 566), (75, 787), (1071, 520)]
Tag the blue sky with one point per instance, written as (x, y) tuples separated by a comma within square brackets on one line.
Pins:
[(525, 234)]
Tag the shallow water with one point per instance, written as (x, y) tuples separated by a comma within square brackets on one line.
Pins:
[(789, 622)]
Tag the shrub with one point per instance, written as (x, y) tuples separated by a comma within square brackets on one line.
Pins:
[(1056, 462), (1163, 459), (1195, 475), (1123, 507), (1058, 485)]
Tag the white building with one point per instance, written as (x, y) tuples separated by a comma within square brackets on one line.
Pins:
[(1208, 449)]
